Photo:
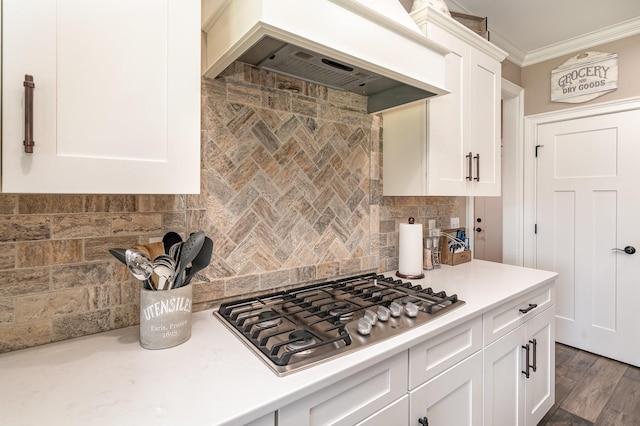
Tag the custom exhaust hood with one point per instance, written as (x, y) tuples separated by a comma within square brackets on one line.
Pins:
[(369, 47)]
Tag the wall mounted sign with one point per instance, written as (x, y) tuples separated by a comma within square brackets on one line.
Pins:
[(584, 77)]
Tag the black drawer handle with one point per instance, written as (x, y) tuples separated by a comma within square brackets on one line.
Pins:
[(526, 361), (469, 165), (531, 306), (534, 344), (28, 113)]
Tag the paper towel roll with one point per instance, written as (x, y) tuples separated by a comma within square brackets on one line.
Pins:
[(410, 251)]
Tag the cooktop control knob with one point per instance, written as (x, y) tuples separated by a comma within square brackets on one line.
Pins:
[(364, 327), (371, 316), (383, 313), (411, 309), (396, 309)]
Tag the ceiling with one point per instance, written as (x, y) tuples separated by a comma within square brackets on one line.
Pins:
[(533, 31)]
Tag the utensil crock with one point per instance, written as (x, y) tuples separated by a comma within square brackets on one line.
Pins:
[(165, 317)]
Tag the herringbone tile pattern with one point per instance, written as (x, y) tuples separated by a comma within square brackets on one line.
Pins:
[(287, 175)]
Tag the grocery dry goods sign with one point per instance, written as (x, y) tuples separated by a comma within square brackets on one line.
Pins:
[(584, 77)]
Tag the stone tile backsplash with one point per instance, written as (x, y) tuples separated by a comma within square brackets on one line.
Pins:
[(290, 193)]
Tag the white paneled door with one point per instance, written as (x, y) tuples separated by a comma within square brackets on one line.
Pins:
[(587, 207)]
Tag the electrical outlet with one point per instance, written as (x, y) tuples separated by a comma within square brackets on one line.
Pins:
[(155, 240), (455, 222), (432, 223)]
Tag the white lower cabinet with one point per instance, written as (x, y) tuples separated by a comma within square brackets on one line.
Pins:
[(452, 398), (472, 374), (442, 372), (510, 397)]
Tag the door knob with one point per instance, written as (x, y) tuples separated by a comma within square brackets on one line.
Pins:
[(627, 249), (478, 229)]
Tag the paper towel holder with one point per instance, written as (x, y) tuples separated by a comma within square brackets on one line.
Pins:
[(410, 276)]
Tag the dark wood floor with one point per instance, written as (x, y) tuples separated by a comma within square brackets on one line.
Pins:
[(593, 390)]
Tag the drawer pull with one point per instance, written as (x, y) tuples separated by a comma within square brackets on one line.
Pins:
[(28, 113), (526, 310), (526, 361), (477, 158), (469, 166), (534, 343)]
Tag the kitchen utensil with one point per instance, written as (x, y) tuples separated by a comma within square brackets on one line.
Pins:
[(169, 239), (188, 252), (119, 253), (174, 251), (201, 260), (155, 249), (140, 266), (164, 268)]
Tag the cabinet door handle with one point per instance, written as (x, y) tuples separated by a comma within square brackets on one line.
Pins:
[(28, 113), (526, 361), (534, 343), (531, 306), (424, 421), (477, 158), (469, 165)]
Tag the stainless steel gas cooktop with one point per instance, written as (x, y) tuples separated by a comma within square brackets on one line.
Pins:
[(295, 329)]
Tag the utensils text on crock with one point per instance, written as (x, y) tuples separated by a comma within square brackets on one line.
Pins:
[(189, 251), (201, 260), (140, 266)]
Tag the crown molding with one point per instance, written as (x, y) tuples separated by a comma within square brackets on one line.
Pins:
[(585, 41), (595, 38), (515, 54)]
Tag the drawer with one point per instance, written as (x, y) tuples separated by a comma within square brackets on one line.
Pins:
[(268, 420), (432, 357), (396, 413), (501, 320), (353, 399)]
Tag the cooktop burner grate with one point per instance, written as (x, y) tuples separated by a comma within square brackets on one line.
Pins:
[(297, 328)]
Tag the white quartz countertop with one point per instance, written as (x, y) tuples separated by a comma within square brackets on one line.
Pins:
[(212, 379)]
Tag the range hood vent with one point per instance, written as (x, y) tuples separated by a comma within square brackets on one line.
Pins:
[(363, 51), (309, 66)]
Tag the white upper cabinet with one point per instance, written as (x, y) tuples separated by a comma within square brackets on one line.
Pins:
[(449, 145), (116, 102)]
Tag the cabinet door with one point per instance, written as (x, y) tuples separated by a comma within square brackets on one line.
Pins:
[(404, 150), (504, 382), (116, 104), (540, 387), (484, 117), (353, 399), (448, 121), (452, 398)]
